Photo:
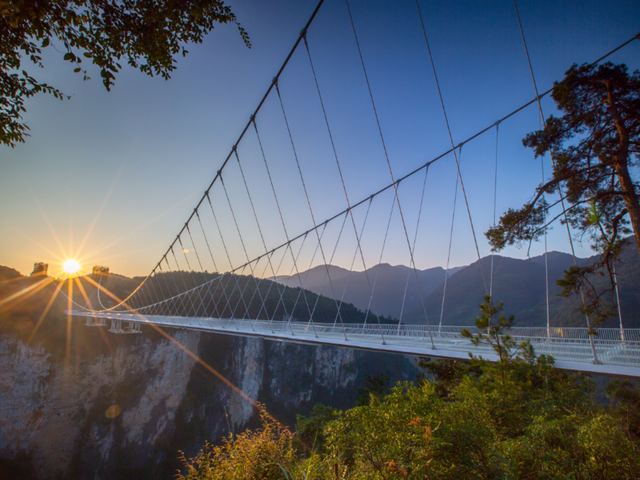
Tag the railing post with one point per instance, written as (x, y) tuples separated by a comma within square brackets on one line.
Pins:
[(313, 327), (593, 348), (615, 279)]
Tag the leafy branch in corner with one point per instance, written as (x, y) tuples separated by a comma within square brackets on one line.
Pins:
[(147, 34)]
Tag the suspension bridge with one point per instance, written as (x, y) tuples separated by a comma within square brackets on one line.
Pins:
[(280, 205)]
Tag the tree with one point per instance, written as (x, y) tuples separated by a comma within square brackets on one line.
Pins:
[(309, 430), (374, 385), (493, 329), (145, 33), (265, 453), (595, 148)]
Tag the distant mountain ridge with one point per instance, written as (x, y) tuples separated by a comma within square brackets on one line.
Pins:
[(520, 284), (388, 283)]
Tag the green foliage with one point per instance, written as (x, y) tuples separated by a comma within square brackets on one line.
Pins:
[(626, 399), (516, 418), (310, 430), (374, 386), (594, 148), (575, 447), (517, 226), (492, 329), (513, 385), (412, 433), (446, 373), (265, 453), (147, 34), (544, 424)]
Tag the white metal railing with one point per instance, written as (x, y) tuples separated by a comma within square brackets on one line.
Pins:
[(569, 344)]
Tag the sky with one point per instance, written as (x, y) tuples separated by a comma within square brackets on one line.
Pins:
[(110, 178)]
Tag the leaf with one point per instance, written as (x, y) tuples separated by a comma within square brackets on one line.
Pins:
[(76, 70), (68, 56), (45, 42), (88, 54)]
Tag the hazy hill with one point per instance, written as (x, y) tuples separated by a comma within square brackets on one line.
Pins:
[(7, 273), (628, 286), (119, 286), (315, 276), (388, 282), (241, 297), (520, 284)]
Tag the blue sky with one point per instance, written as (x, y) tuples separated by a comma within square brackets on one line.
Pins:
[(111, 177)]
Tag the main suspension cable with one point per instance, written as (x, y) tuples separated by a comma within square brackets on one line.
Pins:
[(123, 304)]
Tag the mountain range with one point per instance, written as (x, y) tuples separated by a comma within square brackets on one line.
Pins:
[(520, 284), (390, 284)]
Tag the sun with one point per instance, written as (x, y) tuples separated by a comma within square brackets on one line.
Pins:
[(70, 266)]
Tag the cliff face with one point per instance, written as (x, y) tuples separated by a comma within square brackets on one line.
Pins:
[(55, 409), (122, 406)]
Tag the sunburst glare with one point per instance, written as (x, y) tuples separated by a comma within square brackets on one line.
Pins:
[(70, 266)]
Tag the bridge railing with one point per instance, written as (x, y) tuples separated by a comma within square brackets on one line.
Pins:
[(613, 346)]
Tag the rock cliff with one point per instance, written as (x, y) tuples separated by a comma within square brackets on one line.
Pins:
[(121, 406)]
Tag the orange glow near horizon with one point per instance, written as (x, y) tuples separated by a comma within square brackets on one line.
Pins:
[(69, 264)]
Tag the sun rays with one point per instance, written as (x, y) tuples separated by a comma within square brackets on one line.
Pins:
[(69, 284), (170, 338), (70, 266)]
